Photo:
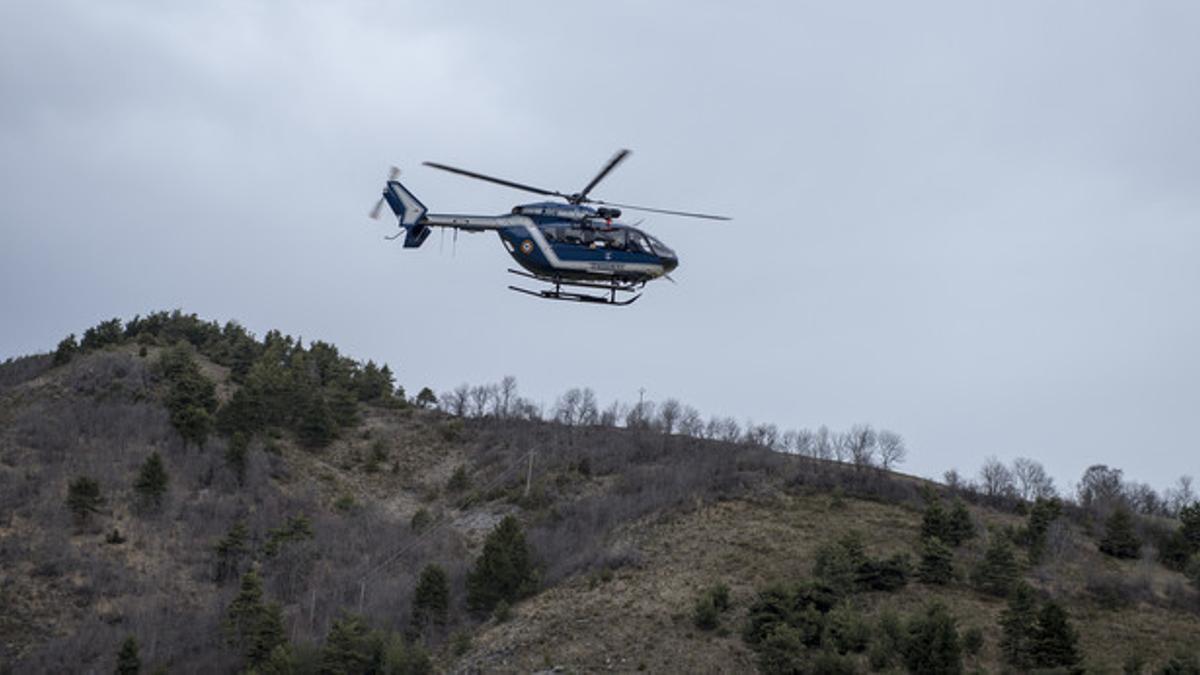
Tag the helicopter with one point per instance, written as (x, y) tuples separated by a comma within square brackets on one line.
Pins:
[(578, 248)]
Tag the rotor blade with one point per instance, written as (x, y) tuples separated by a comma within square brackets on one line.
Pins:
[(393, 174), (612, 164), (498, 181), (666, 211), (668, 278), (375, 211)]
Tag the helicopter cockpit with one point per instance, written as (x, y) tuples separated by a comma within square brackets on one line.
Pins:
[(614, 238)]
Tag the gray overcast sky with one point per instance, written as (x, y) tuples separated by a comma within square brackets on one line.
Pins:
[(974, 223)]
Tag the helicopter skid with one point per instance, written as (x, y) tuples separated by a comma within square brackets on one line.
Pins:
[(557, 293)]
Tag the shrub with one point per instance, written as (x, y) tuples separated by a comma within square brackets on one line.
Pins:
[(459, 480), (297, 528), (972, 641), (504, 571), (503, 612), (706, 613), (781, 651), (236, 456), (421, 520), (888, 574), (84, 499), (128, 661), (426, 398), (847, 630), (1192, 571)]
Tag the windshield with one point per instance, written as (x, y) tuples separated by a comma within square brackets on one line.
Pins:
[(661, 248)]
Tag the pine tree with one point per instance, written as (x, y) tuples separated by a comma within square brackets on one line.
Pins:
[(934, 518), (128, 661), (230, 550), (431, 599), (66, 349), (237, 455), (959, 526), (1054, 639), (504, 571), (255, 628), (426, 398), (350, 648), (84, 499), (1189, 525), (932, 644), (1119, 538), (1044, 512), (151, 483), (937, 562), (998, 570), (1017, 626)]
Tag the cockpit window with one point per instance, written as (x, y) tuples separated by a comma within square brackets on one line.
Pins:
[(661, 248)]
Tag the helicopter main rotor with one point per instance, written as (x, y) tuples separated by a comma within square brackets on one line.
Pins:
[(580, 197)]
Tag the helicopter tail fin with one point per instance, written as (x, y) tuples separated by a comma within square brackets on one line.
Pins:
[(409, 211)]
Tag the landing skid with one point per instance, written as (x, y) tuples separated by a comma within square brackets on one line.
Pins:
[(557, 293)]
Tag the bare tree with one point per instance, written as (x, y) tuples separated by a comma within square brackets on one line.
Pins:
[(456, 402), (1143, 499), (1180, 496), (953, 479), (566, 410), (506, 396), (690, 423), (859, 444), (891, 449), (995, 479), (481, 396), (668, 415), (805, 443), (612, 414), (1100, 487), (1032, 481), (729, 430), (589, 410)]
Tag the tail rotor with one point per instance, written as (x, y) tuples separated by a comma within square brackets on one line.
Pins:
[(392, 175)]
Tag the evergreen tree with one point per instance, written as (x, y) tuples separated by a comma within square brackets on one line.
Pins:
[(316, 427), (1017, 626), (431, 599), (255, 628), (151, 483), (504, 571), (937, 562), (998, 570), (66, 349), (932, 645), (237, 456), (1044, 512), (191, 397), (1119, 540), (426, 398), (84, 499), (934, 518), (1189, 525), (128, 661), (350, 647), (230, 550), (959, 526), (1054, 639)]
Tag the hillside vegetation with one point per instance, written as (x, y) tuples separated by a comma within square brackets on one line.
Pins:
[(182, 496)]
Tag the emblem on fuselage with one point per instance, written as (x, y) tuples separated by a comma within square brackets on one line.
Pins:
[(527, 247)]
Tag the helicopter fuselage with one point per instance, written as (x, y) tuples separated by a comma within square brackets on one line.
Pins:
[(574, 250)]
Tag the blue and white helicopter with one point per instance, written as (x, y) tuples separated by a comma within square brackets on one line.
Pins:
[(572, 245)]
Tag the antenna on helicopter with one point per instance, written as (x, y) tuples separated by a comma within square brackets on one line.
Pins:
[(578, 197)]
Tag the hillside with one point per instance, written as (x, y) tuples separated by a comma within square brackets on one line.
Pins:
[(345, 489)]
